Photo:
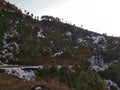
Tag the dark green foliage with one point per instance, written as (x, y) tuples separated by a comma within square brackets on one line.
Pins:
[(47, 72), (113, 73), (112, 55), (2, 70), (4, 26), (83, 78)]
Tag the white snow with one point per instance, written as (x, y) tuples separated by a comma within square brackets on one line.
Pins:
[(111, 83), (80, 40), (70, 68), (33, 67), (16, 45), (17, 22), (115, 41), (38, 88), (40, 34), (96, 39), (59, 67), (51, 42), (114, 61), (57, 54), (100, 68), (96, 59), (7, 55), (10, 34), (44, 18), (5, 36), (68, 34), (27, 75), (9, 47)]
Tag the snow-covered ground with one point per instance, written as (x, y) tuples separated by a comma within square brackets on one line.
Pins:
[(97, 39), (111, 83), (96, 59), (68, 34), (100, 68), (26, 75), (9, 48), (40, 34), (57, 54)]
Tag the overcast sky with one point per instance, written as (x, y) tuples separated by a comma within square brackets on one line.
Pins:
[(102, 16)]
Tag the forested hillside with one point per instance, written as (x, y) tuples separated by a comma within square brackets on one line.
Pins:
[(26, 39)]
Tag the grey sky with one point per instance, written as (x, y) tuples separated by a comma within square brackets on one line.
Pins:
[(36, 6), (102, 16)]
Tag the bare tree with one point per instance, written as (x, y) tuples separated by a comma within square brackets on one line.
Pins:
[(32, 14)]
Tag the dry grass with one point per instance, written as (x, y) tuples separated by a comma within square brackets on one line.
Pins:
[(9, 82), (44, 61)]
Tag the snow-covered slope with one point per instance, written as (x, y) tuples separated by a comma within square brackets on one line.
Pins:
[(22, 36)]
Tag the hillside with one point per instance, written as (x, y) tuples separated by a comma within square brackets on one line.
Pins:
[(28, 40), (21, 35)]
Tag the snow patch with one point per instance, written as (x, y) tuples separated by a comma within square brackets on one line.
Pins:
[(111, 83), (59, 67), (80, 40), (57, 54), (9, 48), (96, 59), (27, 75), (100, 68), (40, 34), (68, 34), (96, 39)]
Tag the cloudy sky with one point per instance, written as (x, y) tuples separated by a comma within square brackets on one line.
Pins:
[(102, 16)]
